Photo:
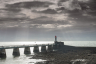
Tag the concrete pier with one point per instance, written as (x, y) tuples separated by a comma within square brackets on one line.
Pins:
[(2, 53), (16, 52), (27, 50), (50, 48), (43, 49), (36, 49)]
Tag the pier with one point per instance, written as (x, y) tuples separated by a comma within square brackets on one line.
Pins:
[(55, 46)]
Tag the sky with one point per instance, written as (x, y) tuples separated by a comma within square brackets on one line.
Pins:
[(41, 20)]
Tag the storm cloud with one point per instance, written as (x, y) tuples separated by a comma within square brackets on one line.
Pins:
[(70, 18)]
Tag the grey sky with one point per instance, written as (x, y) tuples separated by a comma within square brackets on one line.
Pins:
[(43, 19)]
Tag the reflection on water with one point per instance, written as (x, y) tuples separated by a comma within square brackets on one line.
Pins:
[(22, 59)]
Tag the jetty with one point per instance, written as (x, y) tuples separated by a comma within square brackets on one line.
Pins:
[(51, 47)]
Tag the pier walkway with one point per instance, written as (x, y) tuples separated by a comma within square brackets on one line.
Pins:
[(27, 50), (22, 46)]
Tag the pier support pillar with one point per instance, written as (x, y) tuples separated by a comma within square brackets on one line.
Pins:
[(50, 48), (16, 52), (27, 50), (43, 48), (2, 53), (36, 49)]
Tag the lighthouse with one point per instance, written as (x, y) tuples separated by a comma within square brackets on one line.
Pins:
[(58, 45), (55, 38), (56, 42)]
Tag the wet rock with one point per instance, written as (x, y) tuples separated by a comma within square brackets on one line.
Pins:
[(85, 57)]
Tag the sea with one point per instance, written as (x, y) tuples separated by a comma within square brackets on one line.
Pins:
[(25, 59)]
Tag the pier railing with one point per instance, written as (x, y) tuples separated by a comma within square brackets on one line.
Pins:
[(22, 46)]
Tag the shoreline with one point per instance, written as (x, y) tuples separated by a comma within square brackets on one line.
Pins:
[(67, 57)]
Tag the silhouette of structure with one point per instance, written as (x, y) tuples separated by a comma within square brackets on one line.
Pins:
[(58, 45)]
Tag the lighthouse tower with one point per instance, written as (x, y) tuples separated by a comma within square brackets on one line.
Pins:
[(58, 43), (55, 42), (55, 38)]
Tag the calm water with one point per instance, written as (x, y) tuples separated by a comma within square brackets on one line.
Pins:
[(24, 59)]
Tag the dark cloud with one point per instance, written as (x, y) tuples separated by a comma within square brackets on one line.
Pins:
[(92, 4), (85, 18), (29, 4), (83, 23), (93, 13), (87, 13), (83, 5), (74, 4), (63, 0), (46, 20), (75, 11), (12, 19), (15, 10)]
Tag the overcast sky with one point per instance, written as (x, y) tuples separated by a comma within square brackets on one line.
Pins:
[(35, 20)]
